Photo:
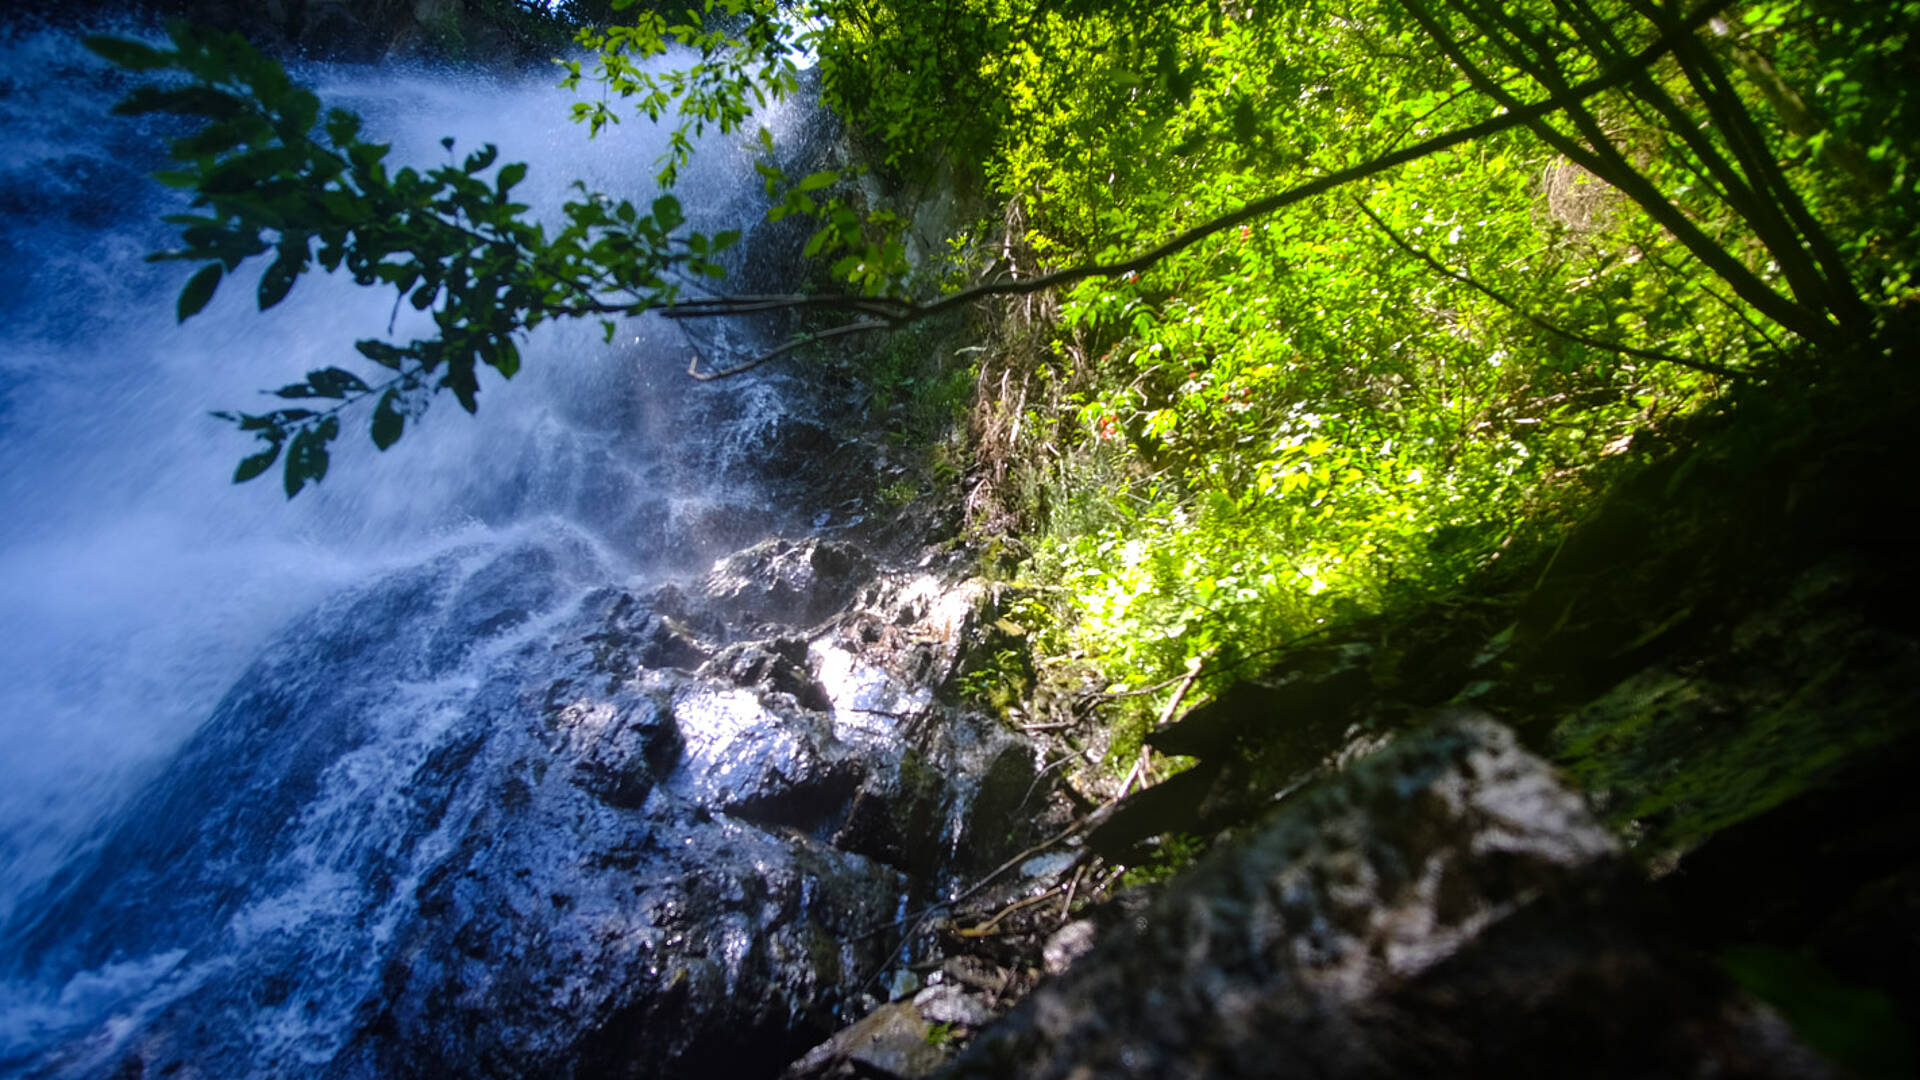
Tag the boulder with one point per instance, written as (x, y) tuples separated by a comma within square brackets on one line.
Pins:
[(797, 583), (1444, 907)]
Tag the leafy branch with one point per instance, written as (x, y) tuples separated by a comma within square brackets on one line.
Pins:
[(269, 177), (889, 312), (743, 62)]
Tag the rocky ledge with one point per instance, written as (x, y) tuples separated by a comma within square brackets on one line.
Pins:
[(480, 819)]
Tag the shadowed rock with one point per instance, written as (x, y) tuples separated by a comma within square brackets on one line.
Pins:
[(1444, 908)]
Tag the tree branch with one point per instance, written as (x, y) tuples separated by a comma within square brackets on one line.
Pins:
[(1400, 242), (864, 327), (1603, 159), (899, 313)]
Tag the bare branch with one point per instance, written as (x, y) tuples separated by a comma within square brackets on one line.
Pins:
[(722, 305), (866, 326)]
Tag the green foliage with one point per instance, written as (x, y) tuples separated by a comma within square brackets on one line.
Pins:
[(899, 493), (1348, 403), (1174, 853), (911, 77), (744, 61), (1000, 682), (1367, 398), (915, 391), (940, 1034), (872, 258)]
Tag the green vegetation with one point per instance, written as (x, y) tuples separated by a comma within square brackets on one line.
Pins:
[(1365, 399), (1312, 310)]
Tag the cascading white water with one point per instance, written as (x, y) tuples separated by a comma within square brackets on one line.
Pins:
[(136, 583)]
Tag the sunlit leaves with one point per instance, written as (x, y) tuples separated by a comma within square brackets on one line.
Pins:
[(666, 213), (1290, 411), (743, 60)]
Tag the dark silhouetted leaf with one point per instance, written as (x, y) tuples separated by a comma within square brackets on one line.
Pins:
[(388, 421), (198, 291), (460, 379), (507, 359), (332, 382), (278, 280), (342, 126), (255, 464), (387, 356), (307, 458), (132, 55)]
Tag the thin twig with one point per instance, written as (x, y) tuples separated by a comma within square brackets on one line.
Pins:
[(1193, 672), (1066, 909), (1091, 817), (1443, 270), (866, 326), (982, 929)]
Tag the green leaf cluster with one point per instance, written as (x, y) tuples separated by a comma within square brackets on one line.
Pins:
[(743, 59)]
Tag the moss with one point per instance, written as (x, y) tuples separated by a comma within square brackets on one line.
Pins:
[(1674, 759)]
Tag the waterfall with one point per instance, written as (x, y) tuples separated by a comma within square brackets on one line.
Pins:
[(138, 588)]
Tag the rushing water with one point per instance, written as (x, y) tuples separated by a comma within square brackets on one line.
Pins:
[(137, 584)]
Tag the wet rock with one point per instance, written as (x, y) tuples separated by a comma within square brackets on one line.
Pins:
[(792, 446), (746, 758), (621, 746), (704, 529), (1446, 907), (1067, 944), (465, 822), (797, 583), (978, 973), (774, 666), (670, 643), (891, 811), (903, 983), (948, 1004)]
